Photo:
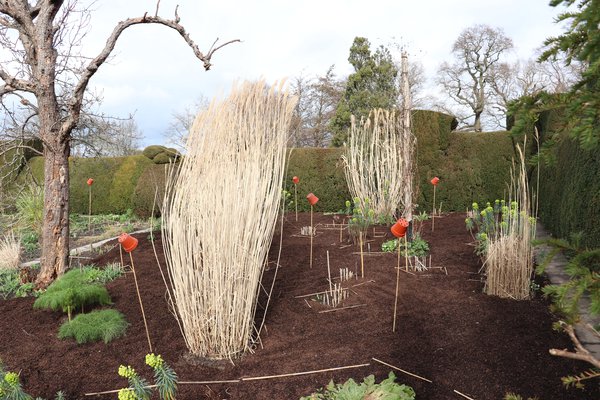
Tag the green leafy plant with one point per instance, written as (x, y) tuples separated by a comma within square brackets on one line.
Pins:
[(104, 325), (164, 377), (72, 291), (362, 217), (368, 389), (102, 275), (418, 247), (30, 240), (10, 387), (513, 396), (11, 285)]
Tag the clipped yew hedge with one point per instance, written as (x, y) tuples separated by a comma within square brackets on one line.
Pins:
[(569, 197), (115, 179), (471, 166)]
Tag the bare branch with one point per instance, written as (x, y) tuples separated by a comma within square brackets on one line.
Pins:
[(110, 45), (581, 353)]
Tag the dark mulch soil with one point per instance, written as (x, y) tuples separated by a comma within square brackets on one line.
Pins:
[(448, 331)]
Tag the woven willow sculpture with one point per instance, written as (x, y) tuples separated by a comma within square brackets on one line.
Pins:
[(374, 164), (219, 216)]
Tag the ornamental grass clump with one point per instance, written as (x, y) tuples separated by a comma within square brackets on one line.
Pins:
[(219, 216), (10, 252), (508, 261)]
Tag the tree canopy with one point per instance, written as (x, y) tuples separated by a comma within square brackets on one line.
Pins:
[(372, 85), (581, 42)]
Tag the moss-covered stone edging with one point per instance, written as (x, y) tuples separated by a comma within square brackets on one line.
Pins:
[(557, 275)]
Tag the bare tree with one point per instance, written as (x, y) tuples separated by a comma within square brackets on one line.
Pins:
[(318, 99), (179, 128), (476, 51), (105, 137), (46, 74)]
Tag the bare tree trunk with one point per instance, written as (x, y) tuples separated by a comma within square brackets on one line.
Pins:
[(477, 123), (55, 231)]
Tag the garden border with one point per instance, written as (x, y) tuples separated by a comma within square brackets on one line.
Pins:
[(557, 276)]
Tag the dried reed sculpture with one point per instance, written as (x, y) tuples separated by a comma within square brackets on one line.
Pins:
[(373, 161), (379, 161), (509, 259), (220, 213)]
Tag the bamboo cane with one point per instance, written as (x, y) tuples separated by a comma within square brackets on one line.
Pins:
[(405, 252), (121, 254), (397, 284), (362, 260), (329, 272), (296, 200), (433, 211), (311, 235), (137, 289), (90, 209)]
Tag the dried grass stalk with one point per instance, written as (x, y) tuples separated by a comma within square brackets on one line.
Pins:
[(220, 212), (509, 260), (10, 251), (373, 161)]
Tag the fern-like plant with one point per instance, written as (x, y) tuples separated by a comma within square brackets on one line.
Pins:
[(368, 389), (104, 325), (71, 292)]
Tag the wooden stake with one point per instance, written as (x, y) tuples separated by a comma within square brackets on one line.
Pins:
[(121, 254), (342, 308), (463, 395), (433, 211), (256, 378), (90, 210), (341, 227), (329, 272), (362, 259), (405, 252), (401, 370), (296, 200), (397, 284), (311, 234), (137, 289)]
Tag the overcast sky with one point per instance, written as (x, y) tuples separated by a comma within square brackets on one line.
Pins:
[(153, 73)]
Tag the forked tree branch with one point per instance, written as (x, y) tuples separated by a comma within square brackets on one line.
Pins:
[(581, 353), (94, 64)]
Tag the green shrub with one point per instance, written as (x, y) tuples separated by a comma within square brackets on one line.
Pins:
[(72, 291), (104, 325), (153, 150), (151, 181), (11, 286), (368, 389)]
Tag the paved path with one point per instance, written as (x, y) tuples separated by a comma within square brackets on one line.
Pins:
[(557, 276)]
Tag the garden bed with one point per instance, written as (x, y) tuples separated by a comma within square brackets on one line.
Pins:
[(447, 330)]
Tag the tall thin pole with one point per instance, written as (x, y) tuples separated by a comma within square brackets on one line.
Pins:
[(311, 235), (397, 284), (433, 211), (137, 289), (296, 200), (90, 209)]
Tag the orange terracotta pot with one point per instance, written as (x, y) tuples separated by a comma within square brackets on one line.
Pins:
[(435, 181), (128, 242), (90, 181), (312, 199), (295, 179), (399, 228)]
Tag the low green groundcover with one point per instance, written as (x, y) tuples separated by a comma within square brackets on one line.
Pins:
[(97, 325)]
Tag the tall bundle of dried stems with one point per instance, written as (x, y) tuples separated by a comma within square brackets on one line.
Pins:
[(509, 261), (10, 251), (374, 162), (220, 213)]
